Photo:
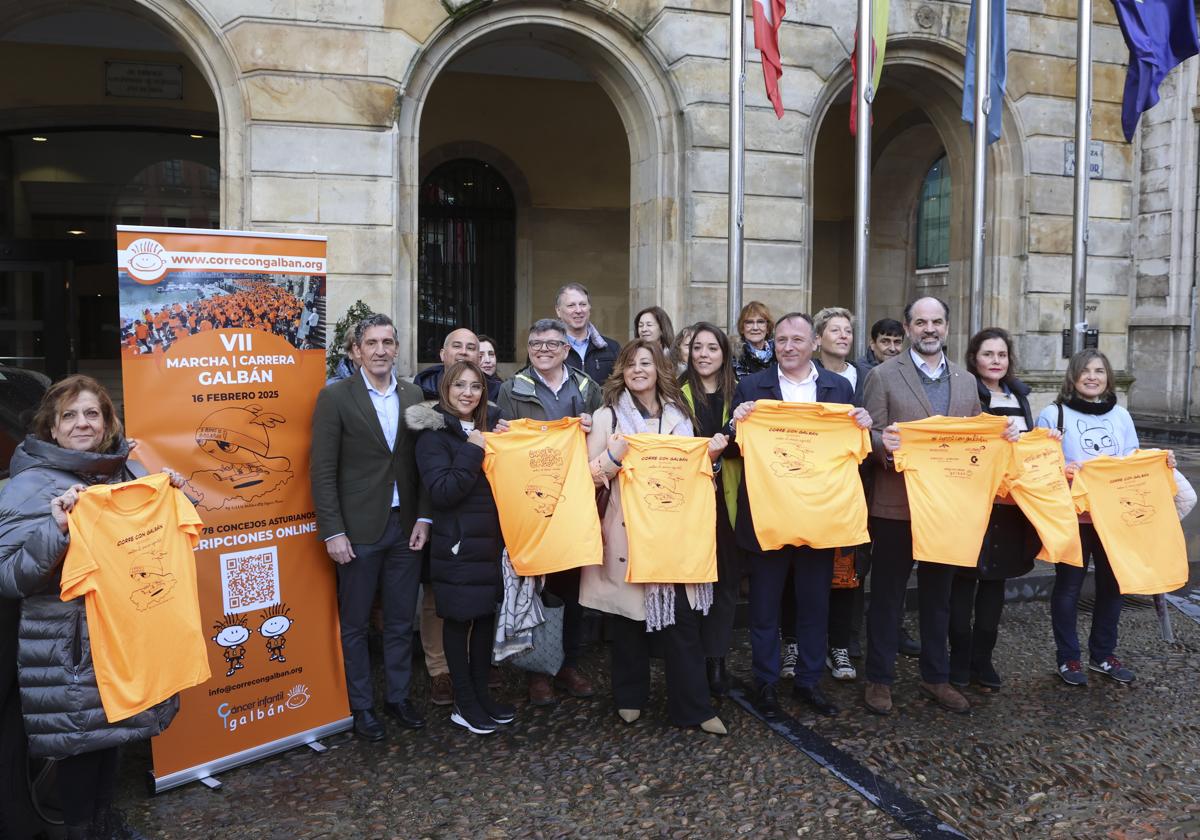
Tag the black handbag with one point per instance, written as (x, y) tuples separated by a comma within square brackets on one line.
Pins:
[(1010, 545)]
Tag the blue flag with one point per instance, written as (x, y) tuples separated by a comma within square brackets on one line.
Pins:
[(999, 61), (1159, 34)]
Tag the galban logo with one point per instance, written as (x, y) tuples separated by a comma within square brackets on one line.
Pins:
[(146, 261)]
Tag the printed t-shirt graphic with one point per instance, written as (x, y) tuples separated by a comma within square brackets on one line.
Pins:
[(667, 499), (545, 496), (131, 559), (1131, 501), (1038, 484), (953, 467), (801, 467)]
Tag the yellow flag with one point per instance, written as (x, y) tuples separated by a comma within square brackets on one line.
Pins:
[(879, 33)]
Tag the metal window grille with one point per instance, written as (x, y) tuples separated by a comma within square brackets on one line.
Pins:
[(467, 263)]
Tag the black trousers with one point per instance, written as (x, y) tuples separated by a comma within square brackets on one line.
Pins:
[(395, 569), (683, 656), (468, 648), (972, 643), (565, 585), (86, 784), (716, 628), (891, 563), (841, 615)]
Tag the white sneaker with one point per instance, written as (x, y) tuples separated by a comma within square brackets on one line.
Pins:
[(787, 665), (839, 664)]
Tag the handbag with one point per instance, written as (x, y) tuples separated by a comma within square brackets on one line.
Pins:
[(845, 574), (546, 655)]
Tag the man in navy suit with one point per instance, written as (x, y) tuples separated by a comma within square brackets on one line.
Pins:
[(793, 378)]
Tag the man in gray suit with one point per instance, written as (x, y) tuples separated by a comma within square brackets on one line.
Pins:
[(372, 513), (914, 385)]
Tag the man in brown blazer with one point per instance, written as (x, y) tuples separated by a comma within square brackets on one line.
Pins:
[(920, 382), (373, 515)]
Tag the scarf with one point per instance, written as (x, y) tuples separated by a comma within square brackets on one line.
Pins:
[(765, 356), (519, 613), (660, 597), (1077, 403)]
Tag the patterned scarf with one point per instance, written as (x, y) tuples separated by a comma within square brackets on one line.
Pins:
[(660, 597)]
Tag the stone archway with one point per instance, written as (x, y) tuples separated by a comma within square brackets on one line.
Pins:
[(923, 80), (635, 83)]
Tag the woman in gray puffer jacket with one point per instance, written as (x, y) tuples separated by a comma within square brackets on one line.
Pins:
[(77, 441)]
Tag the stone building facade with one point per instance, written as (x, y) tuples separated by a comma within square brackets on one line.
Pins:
[(608, 121)]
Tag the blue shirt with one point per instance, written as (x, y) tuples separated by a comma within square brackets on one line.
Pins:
[(387, 409), (580, 345)]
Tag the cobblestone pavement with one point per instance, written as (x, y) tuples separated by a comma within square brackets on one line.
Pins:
[(1038, 759)]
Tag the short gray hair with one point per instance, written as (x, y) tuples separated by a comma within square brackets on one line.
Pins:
[(822, 318), (375, 319), (549, 325)]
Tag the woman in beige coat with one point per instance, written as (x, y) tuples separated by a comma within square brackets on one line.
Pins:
[(641, 396)]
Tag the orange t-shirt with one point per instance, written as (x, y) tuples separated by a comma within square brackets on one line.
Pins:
[(667, 496), (1037, 482), (953, 467), (131, 559), (1132, 503), (545, 496), (801, 468)]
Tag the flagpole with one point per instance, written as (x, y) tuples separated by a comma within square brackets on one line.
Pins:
[(737, 142), (864, 95), (1083, 131), (983, 104)]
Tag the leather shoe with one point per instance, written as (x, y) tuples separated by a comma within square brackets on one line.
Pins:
[(878, 698), (908, 645), (367, 726), (441, 690), (541, 693), (405, 714), (946, 696), (576, 684), (815, 699), (718, 676), (768, 703)]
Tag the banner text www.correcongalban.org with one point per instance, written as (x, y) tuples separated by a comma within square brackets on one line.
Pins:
[(225, 689)]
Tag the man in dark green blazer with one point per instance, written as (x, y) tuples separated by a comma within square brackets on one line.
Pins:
[(372, 513)]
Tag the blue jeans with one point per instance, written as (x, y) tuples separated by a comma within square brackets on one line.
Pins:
[(1064, 603), (813, 571)]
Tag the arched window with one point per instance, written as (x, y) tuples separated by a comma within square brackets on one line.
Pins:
[(467, 259), (933, 217)]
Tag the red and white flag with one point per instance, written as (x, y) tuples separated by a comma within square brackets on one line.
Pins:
[(768, 15)]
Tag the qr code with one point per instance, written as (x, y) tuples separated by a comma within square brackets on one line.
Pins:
[(250, 579)]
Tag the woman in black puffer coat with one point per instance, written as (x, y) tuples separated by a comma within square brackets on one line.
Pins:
[(77, 441), (466, 542)]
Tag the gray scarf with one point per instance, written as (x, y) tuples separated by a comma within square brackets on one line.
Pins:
[(660, 597)]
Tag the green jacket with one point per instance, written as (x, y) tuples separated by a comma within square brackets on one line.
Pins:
[(518, 396), (731, 466)]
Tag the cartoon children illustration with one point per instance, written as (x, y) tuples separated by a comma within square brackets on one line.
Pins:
[(239, 440), (232, 634), (274, 627), (791, 461), (663, 495), (153, 584), (546, 493)]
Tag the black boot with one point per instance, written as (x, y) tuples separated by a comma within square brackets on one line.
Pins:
[(960, 659), (718, 676), (481, 669), (109, 824)]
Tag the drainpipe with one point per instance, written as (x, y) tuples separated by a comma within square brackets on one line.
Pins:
[(1191, 339)]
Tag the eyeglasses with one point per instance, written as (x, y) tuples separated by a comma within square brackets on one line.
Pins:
[(550, 344), (755, 322)]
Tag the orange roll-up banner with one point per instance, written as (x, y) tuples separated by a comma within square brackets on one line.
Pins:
[(222, 357)]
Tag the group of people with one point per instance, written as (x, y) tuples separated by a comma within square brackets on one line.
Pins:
[(255, 305), (402, 494), (421, 445)]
